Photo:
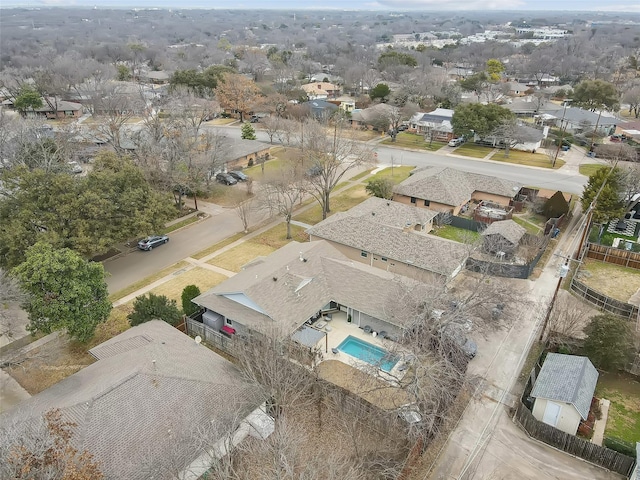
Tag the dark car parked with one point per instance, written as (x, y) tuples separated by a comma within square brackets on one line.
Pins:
[(152, 241), (226, 179), (239, 176)]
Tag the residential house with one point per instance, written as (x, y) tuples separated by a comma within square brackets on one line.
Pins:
[(321, 90), (577, 120), (52, 108), (345, 103), (517, 89), (238, 152), (563, 391), (394, 237), (523, 138), (445, 189), (435, 124), (629, 129), (156, 77), (503, 236), (281, 295), (320, 108), (138, 408), (376, 117)]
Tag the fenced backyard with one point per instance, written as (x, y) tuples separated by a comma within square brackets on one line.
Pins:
[(602, 456), (617, 256)]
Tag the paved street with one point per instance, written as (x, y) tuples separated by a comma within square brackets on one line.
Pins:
[(127, 269)]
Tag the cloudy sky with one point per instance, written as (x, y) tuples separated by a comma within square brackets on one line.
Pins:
[(538, 5)]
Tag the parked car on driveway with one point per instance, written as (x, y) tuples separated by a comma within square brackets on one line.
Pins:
[(239, 176), (152, 241), (456, 142), (226, 179)]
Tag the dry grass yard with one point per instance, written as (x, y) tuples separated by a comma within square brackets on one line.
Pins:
[(203, 278), (612, 280)]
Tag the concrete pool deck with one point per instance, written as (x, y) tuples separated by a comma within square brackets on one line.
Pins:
[(338, 329)]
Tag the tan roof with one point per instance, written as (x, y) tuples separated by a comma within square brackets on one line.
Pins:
[(383, 234), (152, 387), (453, 187), (319, 87), (507, 229), (289, 286)]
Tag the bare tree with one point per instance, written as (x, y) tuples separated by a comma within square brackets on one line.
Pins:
[(568, 319), (329, 153), (44, 450), (10, 295), (282, 192), (244, 208)]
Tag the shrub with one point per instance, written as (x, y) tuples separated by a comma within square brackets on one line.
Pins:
[(189, 293), (621, 446), (154, 307), (250, 164), (608, 344)]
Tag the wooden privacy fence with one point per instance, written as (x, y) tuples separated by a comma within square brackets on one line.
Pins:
[(209, 335), (603, 302), (602, 456), (615, 256)]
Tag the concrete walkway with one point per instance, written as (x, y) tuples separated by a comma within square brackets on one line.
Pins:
[(599, 426)]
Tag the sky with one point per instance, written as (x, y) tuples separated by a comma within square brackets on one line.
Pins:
[(399, 5)]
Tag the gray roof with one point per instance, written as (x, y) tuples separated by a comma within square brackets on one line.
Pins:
[(385, 228), (567, 378), (453, 187), (508, 229), (141, 401), (279, 293), (238, 148)]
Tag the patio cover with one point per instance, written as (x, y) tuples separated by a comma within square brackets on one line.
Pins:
[(307, 336)]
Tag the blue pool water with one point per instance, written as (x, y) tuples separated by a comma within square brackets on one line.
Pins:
[(366, 352)]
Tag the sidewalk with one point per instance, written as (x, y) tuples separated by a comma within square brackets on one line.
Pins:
[(270, 223)]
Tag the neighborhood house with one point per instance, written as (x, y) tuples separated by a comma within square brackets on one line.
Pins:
[(394, 237), (311, 294), (153, 391), (444, 189)]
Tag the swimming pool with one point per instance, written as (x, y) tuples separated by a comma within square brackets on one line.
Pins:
[(366, 352)]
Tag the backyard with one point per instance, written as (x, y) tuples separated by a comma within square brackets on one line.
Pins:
[(614, 281), (456, 234), (623, 391)]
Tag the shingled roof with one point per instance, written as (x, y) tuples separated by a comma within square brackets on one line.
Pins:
[(508, 229), (151, 388), (567, 378), (280, 292), (385, 228), (453, 187)]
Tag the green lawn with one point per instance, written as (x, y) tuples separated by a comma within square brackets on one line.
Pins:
[(531, 228), (270, 166), (473, 150), (588, 169), (456, 234), (623, 391), (183, 223), (343, 202), (412, 140), (397, 174), (361, 175), (525, 158)]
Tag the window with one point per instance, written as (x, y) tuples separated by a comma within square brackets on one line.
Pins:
[(364, 254), (227, 321), (427, 203), (413, 200), (384, 259)]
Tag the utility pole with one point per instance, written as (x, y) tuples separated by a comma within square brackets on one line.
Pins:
[(563, 127)]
